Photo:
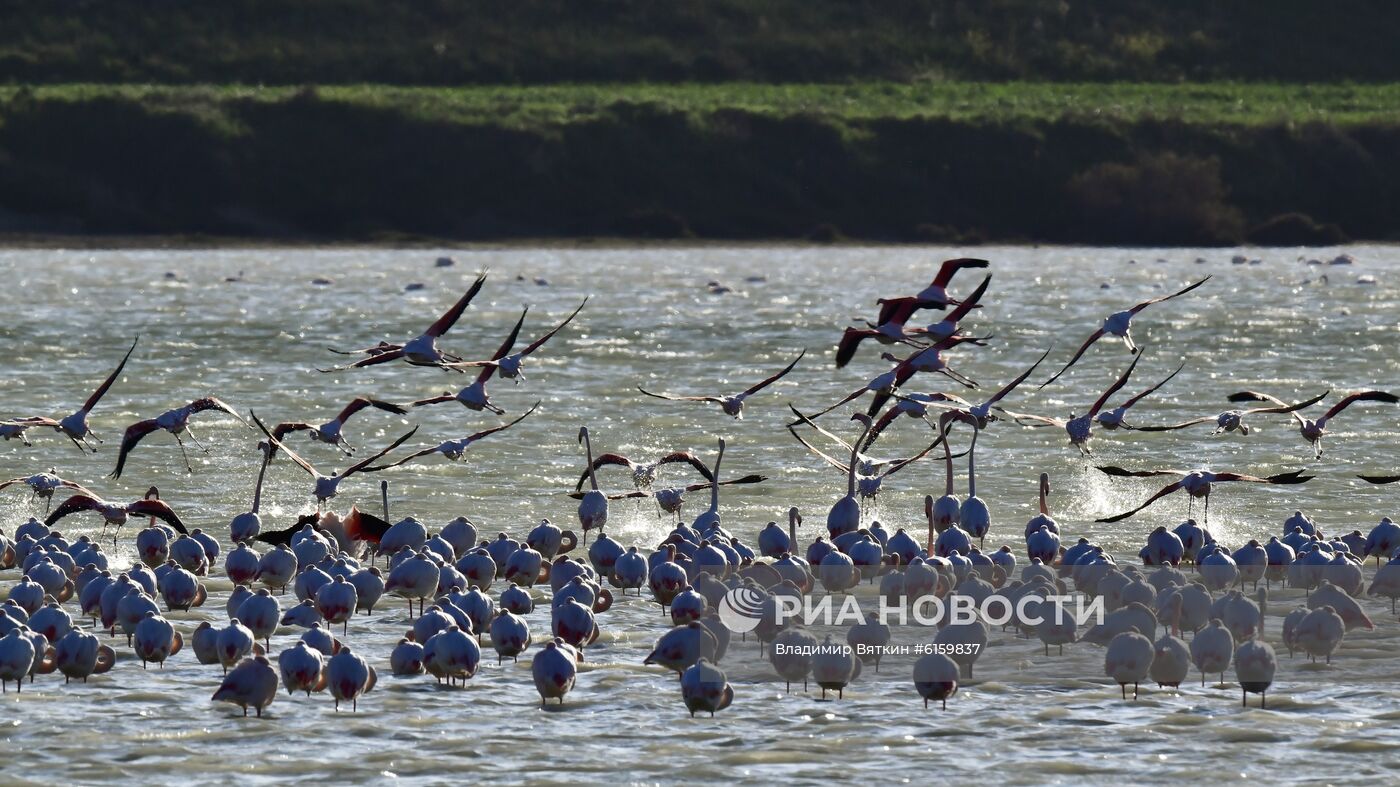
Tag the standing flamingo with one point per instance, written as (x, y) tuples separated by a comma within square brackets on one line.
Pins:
[(593, 508)]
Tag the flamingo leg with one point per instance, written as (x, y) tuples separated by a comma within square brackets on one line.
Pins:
[(188, 467), (194, 439)]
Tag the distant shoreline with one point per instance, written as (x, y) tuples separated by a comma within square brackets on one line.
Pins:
[(957, 164), (93, 242)]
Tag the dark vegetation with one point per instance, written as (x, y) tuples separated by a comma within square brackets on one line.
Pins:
[(1090, 121), (452, 42), (305, 165)]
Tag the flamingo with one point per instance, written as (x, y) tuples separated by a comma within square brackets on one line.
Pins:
[(455, 449), (1080, 428), (869, 473), (509, 365), (1311, 430), (173, 421), (420, 351), (917, 405), (115, 514), (1233, 420), (943, 512), (935, 295), (948, 326), (891, 330), (593, 508), (1113, 419), (75, 426), (45, 484), (845, 515), (1197, 484), (644, 473), (731, 405), (1119, 324), (326, 486), (330, 431), (928, 359), (670, 499), (15, 430), (709, 519), (474, 397)]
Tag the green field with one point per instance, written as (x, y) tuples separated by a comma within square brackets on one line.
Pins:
[(1249, 104)]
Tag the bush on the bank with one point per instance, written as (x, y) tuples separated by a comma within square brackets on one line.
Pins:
[(1159, 199)]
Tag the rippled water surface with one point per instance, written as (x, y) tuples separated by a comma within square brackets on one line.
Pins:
[(70, 315)]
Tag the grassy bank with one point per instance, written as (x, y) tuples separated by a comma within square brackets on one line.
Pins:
[(1119, 163), (986, 102), (455, 42)]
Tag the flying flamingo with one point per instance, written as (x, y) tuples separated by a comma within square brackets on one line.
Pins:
[(731, 405), (891, 329), (474, 397), (509, 365), (75, 426), (1080, 428), (420, 351), (45, 484), (330, 431), (948, 326), (114, 514), (1233, 420), (671, 499), (1311, 430), (1197, 484), (326, 485), (935, 295), (865, 464), (644, 474), (454, 449), (15, 430), (1113, 419), (981, 414), (1119, 324), (173, 421), (884, 385), (864, 474)]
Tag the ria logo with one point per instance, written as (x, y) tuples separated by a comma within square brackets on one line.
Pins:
[(741, 609)]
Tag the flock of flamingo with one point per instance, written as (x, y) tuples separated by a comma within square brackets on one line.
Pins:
[(1189, 584)]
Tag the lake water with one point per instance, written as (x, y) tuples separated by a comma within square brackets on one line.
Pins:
[(651, 321)]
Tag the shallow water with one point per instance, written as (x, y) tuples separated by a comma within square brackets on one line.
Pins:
[(1025, 719)]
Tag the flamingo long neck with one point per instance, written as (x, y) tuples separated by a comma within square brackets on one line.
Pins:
[(855, 452), (792, 527), (947, 458), (588, 449), (1044, 490), (384, 497), (928, 514), (714, 488), (262, 473), (971, 466)]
